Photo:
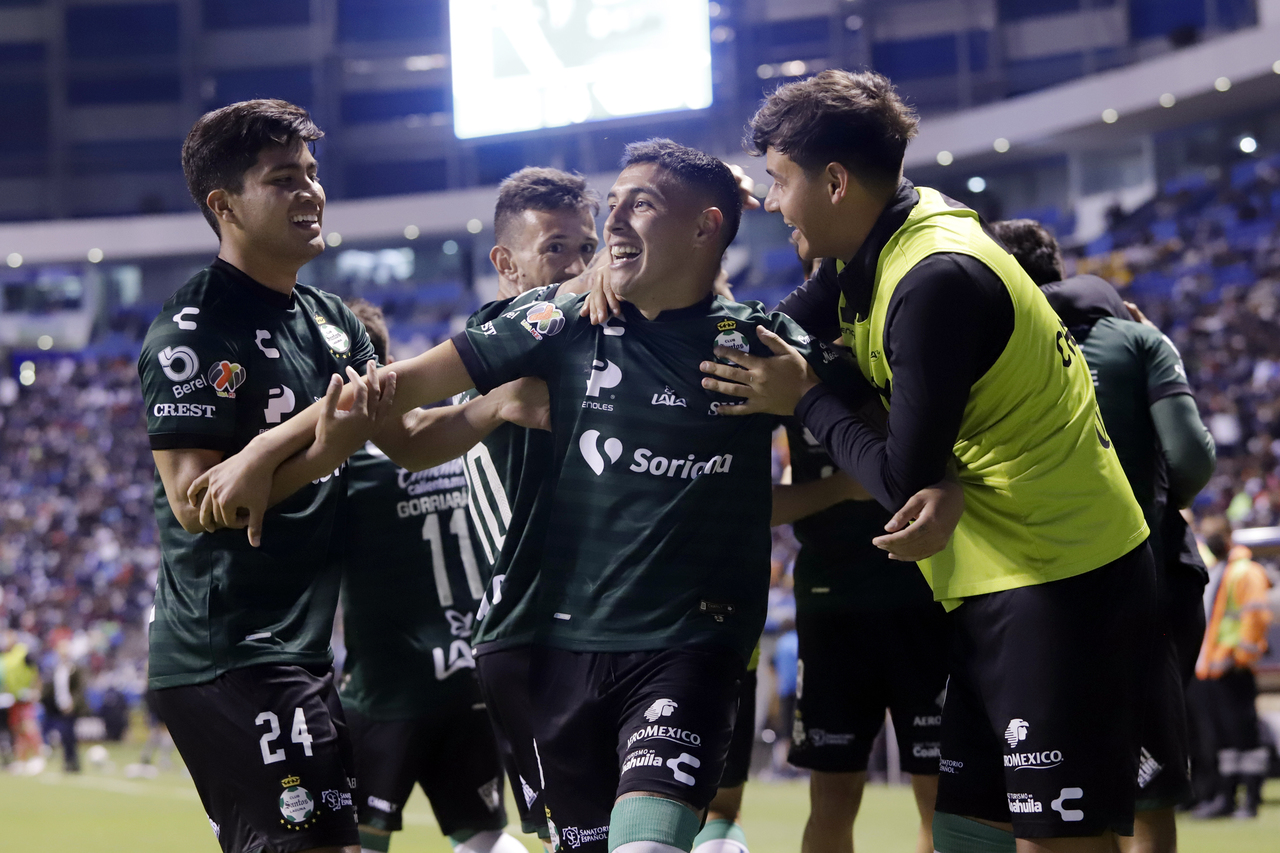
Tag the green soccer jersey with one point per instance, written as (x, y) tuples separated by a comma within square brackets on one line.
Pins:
[(227, 359), (504, 473), (838, 568), (410, 586), (654, 521), (1133, 366)]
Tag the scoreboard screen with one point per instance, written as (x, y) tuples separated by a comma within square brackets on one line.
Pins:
[(522, 65)]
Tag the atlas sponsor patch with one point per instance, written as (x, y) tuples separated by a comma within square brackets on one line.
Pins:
[(542, 320), (225, 377)]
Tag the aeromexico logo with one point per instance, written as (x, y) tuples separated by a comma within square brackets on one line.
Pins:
[(645, 461)]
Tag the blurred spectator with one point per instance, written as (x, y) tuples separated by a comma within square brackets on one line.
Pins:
[(64, 703), (21, 688), (1223, 703)]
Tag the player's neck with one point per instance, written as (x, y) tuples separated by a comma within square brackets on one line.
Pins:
[(672, 298), (271, 273)]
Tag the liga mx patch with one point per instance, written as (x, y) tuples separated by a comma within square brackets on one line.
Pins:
[(297, 807)]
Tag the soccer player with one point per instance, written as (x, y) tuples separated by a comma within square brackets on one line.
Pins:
[(612, 661), (871, 639), (1048, 576), (1168, 457), (239, 661), (411, 582)]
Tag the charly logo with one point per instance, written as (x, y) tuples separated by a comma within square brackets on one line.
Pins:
[(183, 323), (280, 402), (660, 708), (1016, 731), (226, 377), (263, 337), (1069, 815), (604, 374), (587, 446), (686, 759), (543, 319), (178, 363)]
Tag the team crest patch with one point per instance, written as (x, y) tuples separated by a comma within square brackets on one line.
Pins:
[(543, 320), (333, 336), (226, 377), (297, 808)]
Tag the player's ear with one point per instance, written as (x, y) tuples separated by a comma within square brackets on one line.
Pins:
[(710, 221), (219, 202), (838, 181), (504, 263)]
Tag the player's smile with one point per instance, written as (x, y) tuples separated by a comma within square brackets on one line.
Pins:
[(307, 220)]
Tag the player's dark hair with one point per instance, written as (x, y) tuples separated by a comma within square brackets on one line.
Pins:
[(540, 188), (855, 119), (374, 323), (1034, 248), (696, 170), (225, 143)]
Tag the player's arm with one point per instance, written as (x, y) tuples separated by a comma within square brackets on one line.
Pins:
[(425, 438), (178, 470), (237, 491), (794, 501), (1185, 442)]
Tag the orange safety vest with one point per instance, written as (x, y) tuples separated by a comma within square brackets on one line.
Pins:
[(1237, 632)]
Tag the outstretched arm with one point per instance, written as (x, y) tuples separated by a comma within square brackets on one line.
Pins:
[(794, 501), (237, 492)]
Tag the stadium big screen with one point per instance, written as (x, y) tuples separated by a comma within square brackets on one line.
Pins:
[(521, 65)]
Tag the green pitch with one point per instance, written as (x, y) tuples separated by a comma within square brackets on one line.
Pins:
[(102, 811)]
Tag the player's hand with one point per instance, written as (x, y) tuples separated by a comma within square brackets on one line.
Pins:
[(746, 187), (234, 493), (924, 525), (773, 385), (525, 402), (601, 302), (370, 410), (1136, 313)]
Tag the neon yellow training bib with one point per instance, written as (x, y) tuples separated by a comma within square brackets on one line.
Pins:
[(1045, 496)]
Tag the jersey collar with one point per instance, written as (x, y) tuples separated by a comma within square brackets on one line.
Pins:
[(697, 309), (252, 286)]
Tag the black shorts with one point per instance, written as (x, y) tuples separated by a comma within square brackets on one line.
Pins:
[(449, 752), (737, 765), (268, 750), (1164, 777), (1040, 724), (591, 726), (853, 666)]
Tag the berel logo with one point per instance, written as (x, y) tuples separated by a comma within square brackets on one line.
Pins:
[(280, 402), (1016, 732), (178, 363), (587, 446), (604, 374)]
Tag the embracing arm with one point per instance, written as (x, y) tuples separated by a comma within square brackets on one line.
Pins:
[(1186, 444), (178, 470), (794, 501)]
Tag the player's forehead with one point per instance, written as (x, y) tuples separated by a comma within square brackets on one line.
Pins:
[(280, 158), (778, 164), (647, 178), (540, 226)]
